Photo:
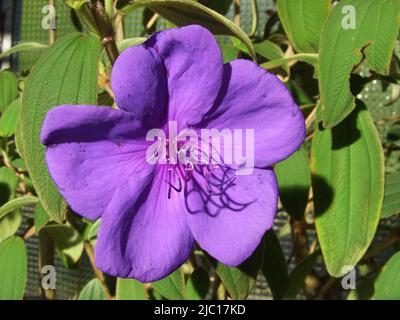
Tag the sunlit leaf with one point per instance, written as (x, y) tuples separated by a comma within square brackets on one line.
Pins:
[(348, 185), (240, 281), (130, 289), (303, 21), (344, 46), (387, 285), (8, 89), (13, 269), (65, 74), (391, 200), (93, 291), (9, 119), (171, 287), (294, 181)]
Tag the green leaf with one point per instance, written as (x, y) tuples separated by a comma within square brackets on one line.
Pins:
[(91, 230), (302, 21), (294, 181), (348, 185), (391, 200), (198, 284), (65, 74), (40, 218), (130, 42), (8, 89), (387, 285), (269, 50), (16, 204), (171, 287), (93, 291), (229, 52), (373, 38), (13, 269), (68, 242), (299, 274), (274, 267), (8, 185), (22, 47), (130, 289), (9, 119), (10, 224), (240, 281), (18, 138), (185, 12)]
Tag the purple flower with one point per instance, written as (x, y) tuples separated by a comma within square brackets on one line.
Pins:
[(153, 213)]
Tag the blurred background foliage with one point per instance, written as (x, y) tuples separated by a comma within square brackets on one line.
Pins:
[(289, 264)]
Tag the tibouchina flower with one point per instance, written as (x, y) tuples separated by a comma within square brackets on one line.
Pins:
[(153, 213)]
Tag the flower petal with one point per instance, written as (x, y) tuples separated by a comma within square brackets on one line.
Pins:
[(143, 234), (230, 227), (193, 64), (139, 84), (252, 98), (90, 152)]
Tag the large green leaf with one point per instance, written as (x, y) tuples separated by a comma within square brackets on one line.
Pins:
[(240, 281), (171, 287), (391, 200), (303, 21), (65, 74), (93, 291), (9, 119), (387, 285), (348, 185), (342, 49), (294, 181), (8, 89), (198, 284), (184, 12), (274, 266), (130, 289), (13, 268)]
